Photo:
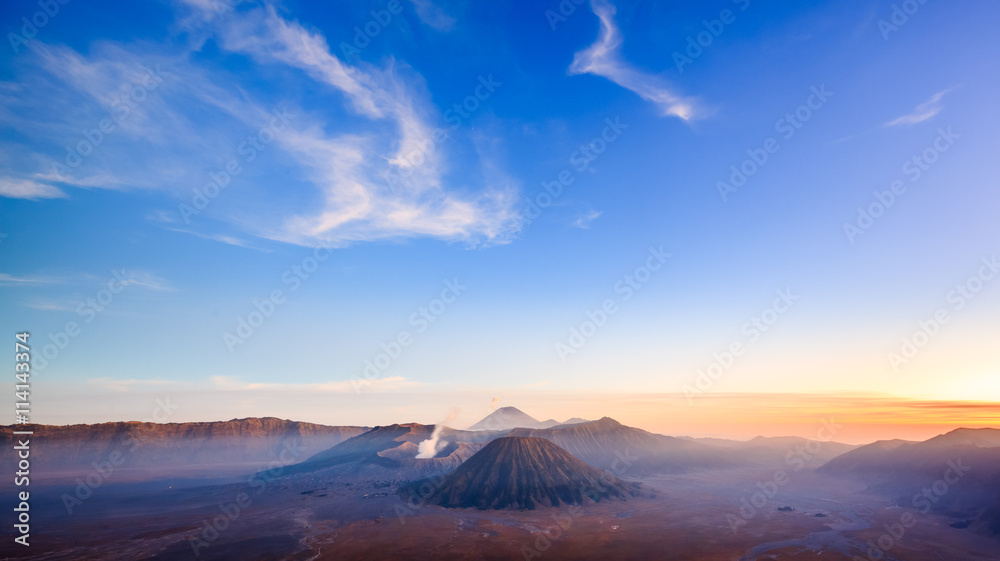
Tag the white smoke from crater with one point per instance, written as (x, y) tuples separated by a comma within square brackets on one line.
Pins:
[(493, 405), (430, 447)]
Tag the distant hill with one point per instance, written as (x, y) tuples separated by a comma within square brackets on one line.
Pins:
[(609, 445), (927, 458), (153, 450), (901, 470), (774, 450), (864, 458), (525, 473), (983, 438), (554, 423)]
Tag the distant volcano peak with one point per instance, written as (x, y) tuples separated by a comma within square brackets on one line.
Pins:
[(507, 418)]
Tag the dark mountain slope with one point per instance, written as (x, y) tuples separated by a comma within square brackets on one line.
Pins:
[(390, 452), (525, 473), (957, 473)]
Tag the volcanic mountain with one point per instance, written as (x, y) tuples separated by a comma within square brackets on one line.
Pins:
[(525, 473), (506, 418), (609, 445), (390, 452)]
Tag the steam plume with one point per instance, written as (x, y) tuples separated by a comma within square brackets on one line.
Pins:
[(430, 447)]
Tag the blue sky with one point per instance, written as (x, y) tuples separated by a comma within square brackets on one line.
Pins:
[(316, 137)]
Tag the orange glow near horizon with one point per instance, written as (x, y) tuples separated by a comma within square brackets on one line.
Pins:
[(864, 418)]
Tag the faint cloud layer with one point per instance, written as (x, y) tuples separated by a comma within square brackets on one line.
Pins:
[(433, 15), (584, 220), (127, 277), (358, 203), (603, 58), (233, 384), (29, 280), (27, 189), (145, 279), (920, 113), (189, 125)]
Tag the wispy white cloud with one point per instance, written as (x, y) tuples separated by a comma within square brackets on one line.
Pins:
[(144, 279), (127, 277), (221, 238), (359, 203), (50, 306), (270, 38), (432, 15), (381, 384), (603, 58), (62, 96), (234, 384), (922, 112), (29, 280), (28, 189), (584, 220), (117, 385), (333, 169), (97, 181), (162, 217)]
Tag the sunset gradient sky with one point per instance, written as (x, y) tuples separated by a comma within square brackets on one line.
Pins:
[(547, 209)]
